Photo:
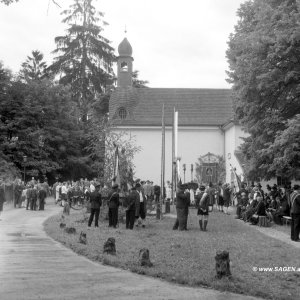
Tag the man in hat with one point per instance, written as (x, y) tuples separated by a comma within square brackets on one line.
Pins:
[(113, 206), (202, 204), (96, 202), (182, 204), (133, 201), (142, 206), (260, 190), (295, 213)]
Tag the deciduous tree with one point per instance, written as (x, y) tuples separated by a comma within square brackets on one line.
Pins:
[(264, 60)]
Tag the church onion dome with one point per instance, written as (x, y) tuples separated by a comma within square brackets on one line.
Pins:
[(125, 48)]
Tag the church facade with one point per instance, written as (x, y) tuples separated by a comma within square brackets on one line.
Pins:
[(205, 124)]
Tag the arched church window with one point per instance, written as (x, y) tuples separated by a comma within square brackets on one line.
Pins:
[(124, 66), (122, 113)]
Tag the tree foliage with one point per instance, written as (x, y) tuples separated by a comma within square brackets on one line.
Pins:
[(102, 142), (40, 120), (136, 82), (84, 56), (8, 2), (34, 68), (264, 60)]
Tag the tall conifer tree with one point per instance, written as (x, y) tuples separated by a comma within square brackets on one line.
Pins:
[(85, 56)]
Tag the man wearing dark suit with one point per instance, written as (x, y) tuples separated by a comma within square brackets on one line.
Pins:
[(96, 202), (42, 194), (33, 195), (18, 192), (295, 213), (113, 206), (133, 200), (182, 204)]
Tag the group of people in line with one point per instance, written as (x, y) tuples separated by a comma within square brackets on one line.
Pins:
[(31, 195), (274, 204)]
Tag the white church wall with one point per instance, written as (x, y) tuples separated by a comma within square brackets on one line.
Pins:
[(192, 143)]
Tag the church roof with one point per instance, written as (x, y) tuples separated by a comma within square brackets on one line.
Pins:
[(195, 106), (125, 48)]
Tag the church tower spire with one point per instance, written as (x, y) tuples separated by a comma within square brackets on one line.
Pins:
[(125, 64)]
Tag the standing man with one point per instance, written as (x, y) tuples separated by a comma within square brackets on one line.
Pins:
[(33, 197), (42, 194), (133, 201), (18, 188), (182, 204), (295, 213), (202, 204), (96, 202), (113, 206), (203, 209), (142, 206), (226, 196)]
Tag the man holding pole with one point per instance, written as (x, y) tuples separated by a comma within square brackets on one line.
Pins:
[(182, 208)]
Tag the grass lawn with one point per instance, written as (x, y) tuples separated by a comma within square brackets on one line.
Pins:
[(188, 257)]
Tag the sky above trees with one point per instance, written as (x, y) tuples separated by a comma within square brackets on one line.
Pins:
[(175, 43)]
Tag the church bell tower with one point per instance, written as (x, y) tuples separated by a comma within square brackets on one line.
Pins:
[(125, 64)]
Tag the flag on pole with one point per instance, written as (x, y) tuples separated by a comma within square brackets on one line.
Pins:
[(162, 185), (116, 175), (237, 180), (176, 134), (175, 160)]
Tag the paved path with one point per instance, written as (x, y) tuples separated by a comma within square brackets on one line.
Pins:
[(33, 266), (270, 231)]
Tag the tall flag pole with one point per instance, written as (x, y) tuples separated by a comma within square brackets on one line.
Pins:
[(162, 181), (176, 149), (173, 156), (174, 152)]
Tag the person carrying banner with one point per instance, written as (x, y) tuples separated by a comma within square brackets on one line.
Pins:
[(113, 206), (142, 206)]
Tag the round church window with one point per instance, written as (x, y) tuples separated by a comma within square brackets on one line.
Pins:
[(122, 113)]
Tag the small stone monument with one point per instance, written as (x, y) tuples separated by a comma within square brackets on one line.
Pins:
[(222, 264), (110, 246), (144, 258), (82, 238), (70, 230)]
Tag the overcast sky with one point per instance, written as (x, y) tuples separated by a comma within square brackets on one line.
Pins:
[(175, 43)]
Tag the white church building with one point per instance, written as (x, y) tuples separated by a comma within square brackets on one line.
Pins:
[(205, 124)]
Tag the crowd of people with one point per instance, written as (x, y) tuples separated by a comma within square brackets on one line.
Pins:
[(31, 195), (251, 201), (274, 204)]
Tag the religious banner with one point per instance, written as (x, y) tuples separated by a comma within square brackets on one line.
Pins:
[(209, 169), (209, 173)]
